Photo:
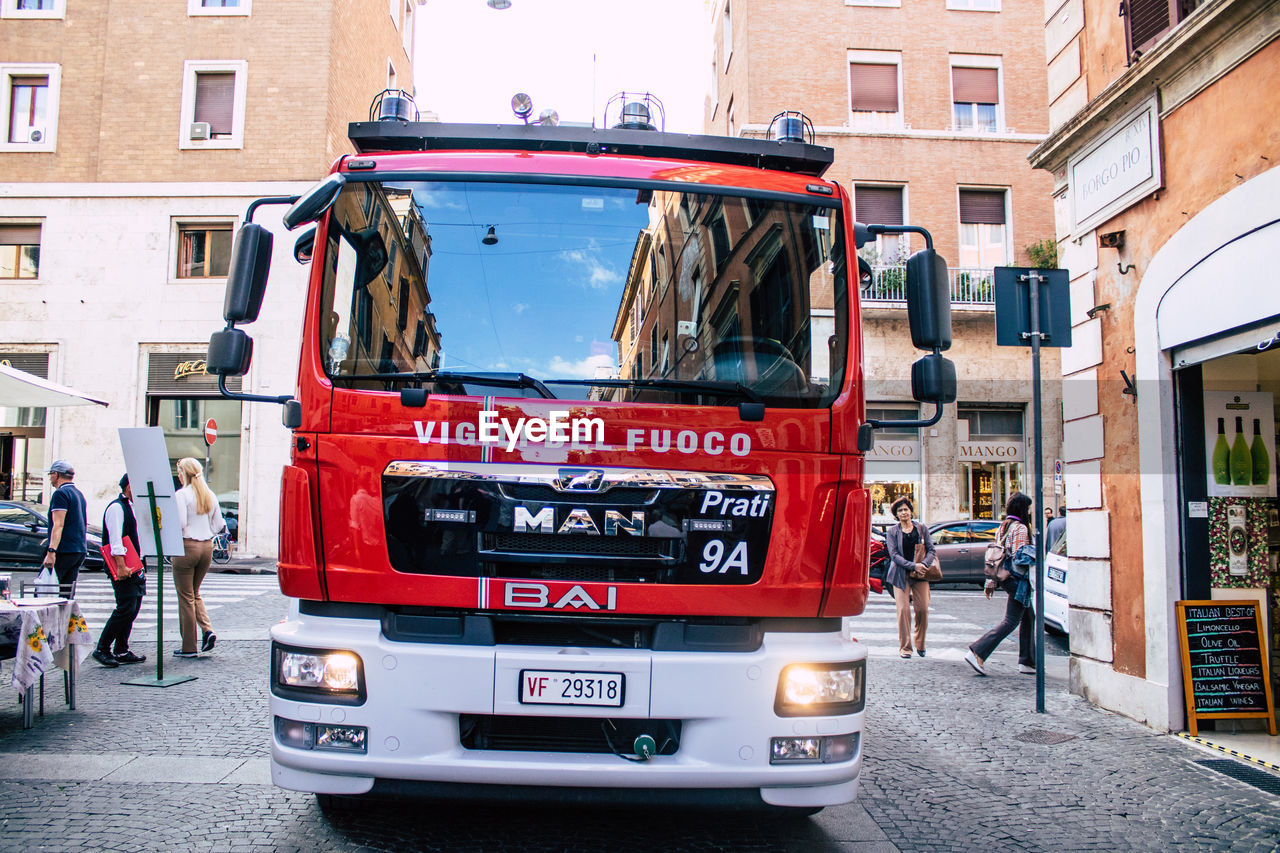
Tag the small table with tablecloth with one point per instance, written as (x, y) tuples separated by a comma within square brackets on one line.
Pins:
[(43, 633)]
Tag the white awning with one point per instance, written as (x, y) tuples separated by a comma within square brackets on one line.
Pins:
[(19, 389)]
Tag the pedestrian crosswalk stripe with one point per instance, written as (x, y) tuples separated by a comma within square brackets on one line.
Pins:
[(96, 597)]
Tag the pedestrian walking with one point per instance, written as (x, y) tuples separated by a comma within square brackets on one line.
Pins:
[(68, 530), (1053, 530), (130, 584), (907, 566), (201, 519), (1015, 532)]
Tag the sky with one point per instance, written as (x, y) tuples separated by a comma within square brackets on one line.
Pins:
[(470, 59)]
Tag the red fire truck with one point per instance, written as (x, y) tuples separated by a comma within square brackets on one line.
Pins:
[(575, 506)]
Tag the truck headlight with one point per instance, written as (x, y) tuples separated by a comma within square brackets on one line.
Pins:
[(821, 689), (317, 675)]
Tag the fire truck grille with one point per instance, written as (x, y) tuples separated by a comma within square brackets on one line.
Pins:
[(619, 547), (564, 734)]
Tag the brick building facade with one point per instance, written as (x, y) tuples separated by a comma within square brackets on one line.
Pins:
[(932, 108), (134, 139)]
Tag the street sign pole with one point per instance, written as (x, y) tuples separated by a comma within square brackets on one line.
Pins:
[(1033, 282)]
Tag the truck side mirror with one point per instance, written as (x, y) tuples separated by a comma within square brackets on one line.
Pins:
[(314, 202), (929, 301), (933, 379), (247, 275), (230, 352)]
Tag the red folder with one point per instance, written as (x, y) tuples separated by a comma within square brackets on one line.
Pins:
[(131, 559)]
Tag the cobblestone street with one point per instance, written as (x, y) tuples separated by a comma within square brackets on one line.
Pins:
[(948, 767)]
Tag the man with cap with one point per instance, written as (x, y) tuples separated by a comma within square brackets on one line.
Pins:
[(130, 584), (68, 534)]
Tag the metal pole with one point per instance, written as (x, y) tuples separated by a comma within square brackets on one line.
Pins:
[(1037, 493), (155, 527)]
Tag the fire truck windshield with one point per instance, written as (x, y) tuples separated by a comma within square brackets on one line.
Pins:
[(647, 294)]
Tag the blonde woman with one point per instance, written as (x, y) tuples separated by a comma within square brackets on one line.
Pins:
[(201, 519)]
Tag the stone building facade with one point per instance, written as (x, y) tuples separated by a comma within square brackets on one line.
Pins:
[(134, 139)]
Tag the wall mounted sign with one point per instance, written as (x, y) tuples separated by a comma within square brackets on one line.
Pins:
[(1117, 170), (989, 451), (895, 451), (1224, 662)]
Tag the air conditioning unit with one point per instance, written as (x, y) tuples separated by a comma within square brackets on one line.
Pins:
[(200, 130), (36, 134)]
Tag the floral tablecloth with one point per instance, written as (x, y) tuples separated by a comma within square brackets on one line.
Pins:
[(45, 630)]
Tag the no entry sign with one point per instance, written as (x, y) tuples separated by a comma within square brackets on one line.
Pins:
[(210, 431)]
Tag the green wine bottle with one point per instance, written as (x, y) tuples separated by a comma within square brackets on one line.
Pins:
[(1241, 462), (1222, 456), (1261, 459)]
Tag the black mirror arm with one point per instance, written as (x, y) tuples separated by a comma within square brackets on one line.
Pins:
[(249, 398), (866, 431), (877, 230), (279, 199)]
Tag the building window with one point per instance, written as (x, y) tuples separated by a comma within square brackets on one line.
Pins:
[(393, 9), (406, 31), (874, 90), (219, 7), (975, 96), (33, 9), (882, 206), (30, 106), (728, 34), (204, 250), (984, 239), (213, 101), (974, 5), (1147, 21), (20, 250)]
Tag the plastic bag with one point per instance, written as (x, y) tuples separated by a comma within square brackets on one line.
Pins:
[(46, 583)]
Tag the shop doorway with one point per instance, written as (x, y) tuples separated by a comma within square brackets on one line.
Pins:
[(985, 487)]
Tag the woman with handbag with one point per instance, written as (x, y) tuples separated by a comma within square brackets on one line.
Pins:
[(1014, 579), (909, 575)]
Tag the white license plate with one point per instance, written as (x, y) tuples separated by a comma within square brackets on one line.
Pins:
[(1057, 575), (559, 687)]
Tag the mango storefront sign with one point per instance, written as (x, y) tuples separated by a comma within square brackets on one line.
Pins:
[(990, 451), (895, 451)]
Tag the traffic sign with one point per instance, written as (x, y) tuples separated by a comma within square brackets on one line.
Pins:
[(210, 432)]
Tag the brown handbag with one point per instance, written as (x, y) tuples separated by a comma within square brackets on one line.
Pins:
[(933, 571)]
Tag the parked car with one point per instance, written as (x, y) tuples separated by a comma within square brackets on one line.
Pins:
[(961, 546), (1055, 587), (24, 532)]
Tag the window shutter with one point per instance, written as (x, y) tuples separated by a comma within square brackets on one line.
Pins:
[(982, 207), (1146, 20), (878, 205), (975, 85), (19, 235), (215, 100), (874, 88)]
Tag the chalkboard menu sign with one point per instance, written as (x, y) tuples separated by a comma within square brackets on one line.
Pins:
[(1224, 662)]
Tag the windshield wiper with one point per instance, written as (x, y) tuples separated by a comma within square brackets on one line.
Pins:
[(499, 380), (722, 389)]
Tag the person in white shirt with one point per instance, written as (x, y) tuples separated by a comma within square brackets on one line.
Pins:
[(130, 585), (201, 519)]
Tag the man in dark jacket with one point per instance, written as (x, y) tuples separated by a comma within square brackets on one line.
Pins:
[(130, 583), (68, 530)]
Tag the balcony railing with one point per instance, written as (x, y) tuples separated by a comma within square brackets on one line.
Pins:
[(968, 285)]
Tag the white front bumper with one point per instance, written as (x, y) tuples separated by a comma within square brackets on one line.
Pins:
[(416, 692)]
